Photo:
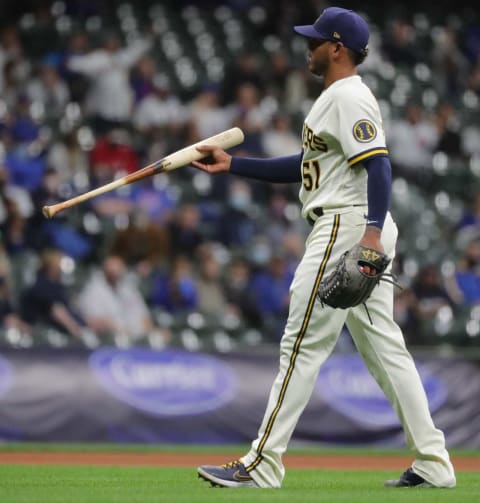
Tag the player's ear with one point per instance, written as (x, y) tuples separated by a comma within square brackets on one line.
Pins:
[(336, 50), (338, 46)]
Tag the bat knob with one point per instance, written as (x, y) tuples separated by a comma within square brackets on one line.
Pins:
[(46, 210)]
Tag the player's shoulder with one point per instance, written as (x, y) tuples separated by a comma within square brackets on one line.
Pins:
[(352, 89)]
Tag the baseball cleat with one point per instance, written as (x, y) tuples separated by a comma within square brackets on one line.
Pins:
[(232, 474), (408, 479)]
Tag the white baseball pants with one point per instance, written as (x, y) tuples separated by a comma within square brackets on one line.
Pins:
[(311, 333)]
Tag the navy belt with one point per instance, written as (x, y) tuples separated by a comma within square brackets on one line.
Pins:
[(316, 211), (319, 212)]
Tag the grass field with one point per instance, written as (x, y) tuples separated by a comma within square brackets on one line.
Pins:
[(60, 484), (92, 484)]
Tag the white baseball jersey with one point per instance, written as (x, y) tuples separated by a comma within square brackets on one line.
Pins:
[(343, 128)]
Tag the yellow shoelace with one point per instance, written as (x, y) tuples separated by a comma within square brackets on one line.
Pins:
[(231, 464)]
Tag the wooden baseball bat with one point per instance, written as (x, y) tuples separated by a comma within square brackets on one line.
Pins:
[(226, 139)]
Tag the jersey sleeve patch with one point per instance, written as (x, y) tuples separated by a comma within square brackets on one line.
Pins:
[(366, 154), (364, 131)]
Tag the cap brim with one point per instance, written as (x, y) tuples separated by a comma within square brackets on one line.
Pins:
[(307, 30)]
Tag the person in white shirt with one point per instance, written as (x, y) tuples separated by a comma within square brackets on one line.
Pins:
[(278, 138), (110, 96), (159, 109), (412, 140), (112, 304)]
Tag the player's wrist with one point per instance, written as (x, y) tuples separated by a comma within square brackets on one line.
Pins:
[(374, 228), (372, 238)]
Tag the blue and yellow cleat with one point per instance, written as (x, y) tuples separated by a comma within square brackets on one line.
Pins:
[(232, 474), (408, 479)]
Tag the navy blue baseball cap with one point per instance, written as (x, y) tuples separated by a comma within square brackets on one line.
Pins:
[(339, 25)]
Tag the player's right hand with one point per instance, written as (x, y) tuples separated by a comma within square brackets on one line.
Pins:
[(218, 161)]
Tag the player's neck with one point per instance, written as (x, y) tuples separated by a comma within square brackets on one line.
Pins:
[(337, 73)]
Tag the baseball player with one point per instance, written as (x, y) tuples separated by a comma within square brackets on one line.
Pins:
[(346, 176)]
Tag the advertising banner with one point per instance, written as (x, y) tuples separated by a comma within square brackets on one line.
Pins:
[(175, 396)]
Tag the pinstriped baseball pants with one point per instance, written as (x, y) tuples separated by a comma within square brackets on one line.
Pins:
[(310, 335)]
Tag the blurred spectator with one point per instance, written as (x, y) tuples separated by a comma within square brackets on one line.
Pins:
[(11, 87), (48, 302), (249, 116), (110, 97), (159, 109), (23, 127), (279, 140), (112, 303), (471, 139), (10, 47), (162, 120), (471, 44), (276, 217), (412, 140), (235, 225), (300, 87), (427, 297), (49, 90), (142, 77), (16, 207), (449, 65), (473, 82), (58, 232), (154, 199), (77, 45), (279, 71), (211, 298), (271, 293), (293, 248), (13, 228), (14, 66), (67, 157), (399, 44), (470, 219), (239, 293), (244, 70), (18, 195), (143, 240), (9, 316), (184, 231), (175, 290), (25, 155), (207, 116), (465, 285), (113, 155), (447, 123), (48, 193)]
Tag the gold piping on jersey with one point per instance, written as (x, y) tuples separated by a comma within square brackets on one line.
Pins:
[(298, 341), (366, 155)]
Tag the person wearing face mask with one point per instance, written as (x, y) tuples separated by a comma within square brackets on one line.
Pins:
[(235, 225)]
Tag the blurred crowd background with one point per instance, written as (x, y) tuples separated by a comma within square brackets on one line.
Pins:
[(90, 91)]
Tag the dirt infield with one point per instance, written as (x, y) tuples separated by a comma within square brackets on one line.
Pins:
[(327, 461)]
